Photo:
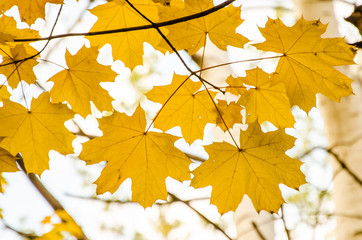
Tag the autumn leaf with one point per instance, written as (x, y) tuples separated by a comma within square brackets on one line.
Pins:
[(230, 113), (185, 106), (80, 83), (7, 162), (306, 66), (148, 158), (35, 132), (13, 66), (255, 169), (9, 31), (4, 93), (191, 35), (29, 10), (263, 100), (127, 46)]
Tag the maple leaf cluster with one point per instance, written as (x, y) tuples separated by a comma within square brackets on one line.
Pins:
[(253, 162)]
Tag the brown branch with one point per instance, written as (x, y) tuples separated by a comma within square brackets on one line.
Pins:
[(341, 163), (53, 202), (202, 216), (157, 28), (137, 28), (257, 230)]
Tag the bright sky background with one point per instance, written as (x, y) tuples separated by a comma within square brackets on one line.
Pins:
[(24, 209)]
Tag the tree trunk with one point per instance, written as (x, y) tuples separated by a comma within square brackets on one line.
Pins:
[(343, 129)]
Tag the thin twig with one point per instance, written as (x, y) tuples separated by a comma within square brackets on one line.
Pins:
[(116, 201), (137, 28), (216, 226), (343, 165), (257, 230), (157, 28)]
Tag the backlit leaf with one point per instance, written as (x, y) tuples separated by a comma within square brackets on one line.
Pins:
[(185, 106), (191, 35), (80, 83), (262, 100), (148, 158), (127, 46), (29, 10), (35, 132), (256, 169), (306, 65)]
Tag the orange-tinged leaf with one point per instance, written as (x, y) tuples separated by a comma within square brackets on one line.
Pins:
[(13, 68), (80, 83), (127, 46), (306, 65), (256, 169), (230, 113), (9, 31), (185, 106), (29, 10), (35, 132), (148, 158), (263, 100), (191, 35)]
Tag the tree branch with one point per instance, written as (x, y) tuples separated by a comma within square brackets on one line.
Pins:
[(137, 28), (53, 202), (258, 230)]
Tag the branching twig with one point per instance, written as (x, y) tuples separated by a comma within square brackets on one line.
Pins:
[(216, 226), (337, 158), (137, 28)]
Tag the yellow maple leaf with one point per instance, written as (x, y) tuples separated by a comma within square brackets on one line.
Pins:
[(29, 10), (148, 158), (306, 65), (14, 68), (35, 132), (80, 83), (191, 35), (255, 169), (4, 93), (127, 46), (185, 106), (7, 162), (230, 113), (9, 31), (261, 99)]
